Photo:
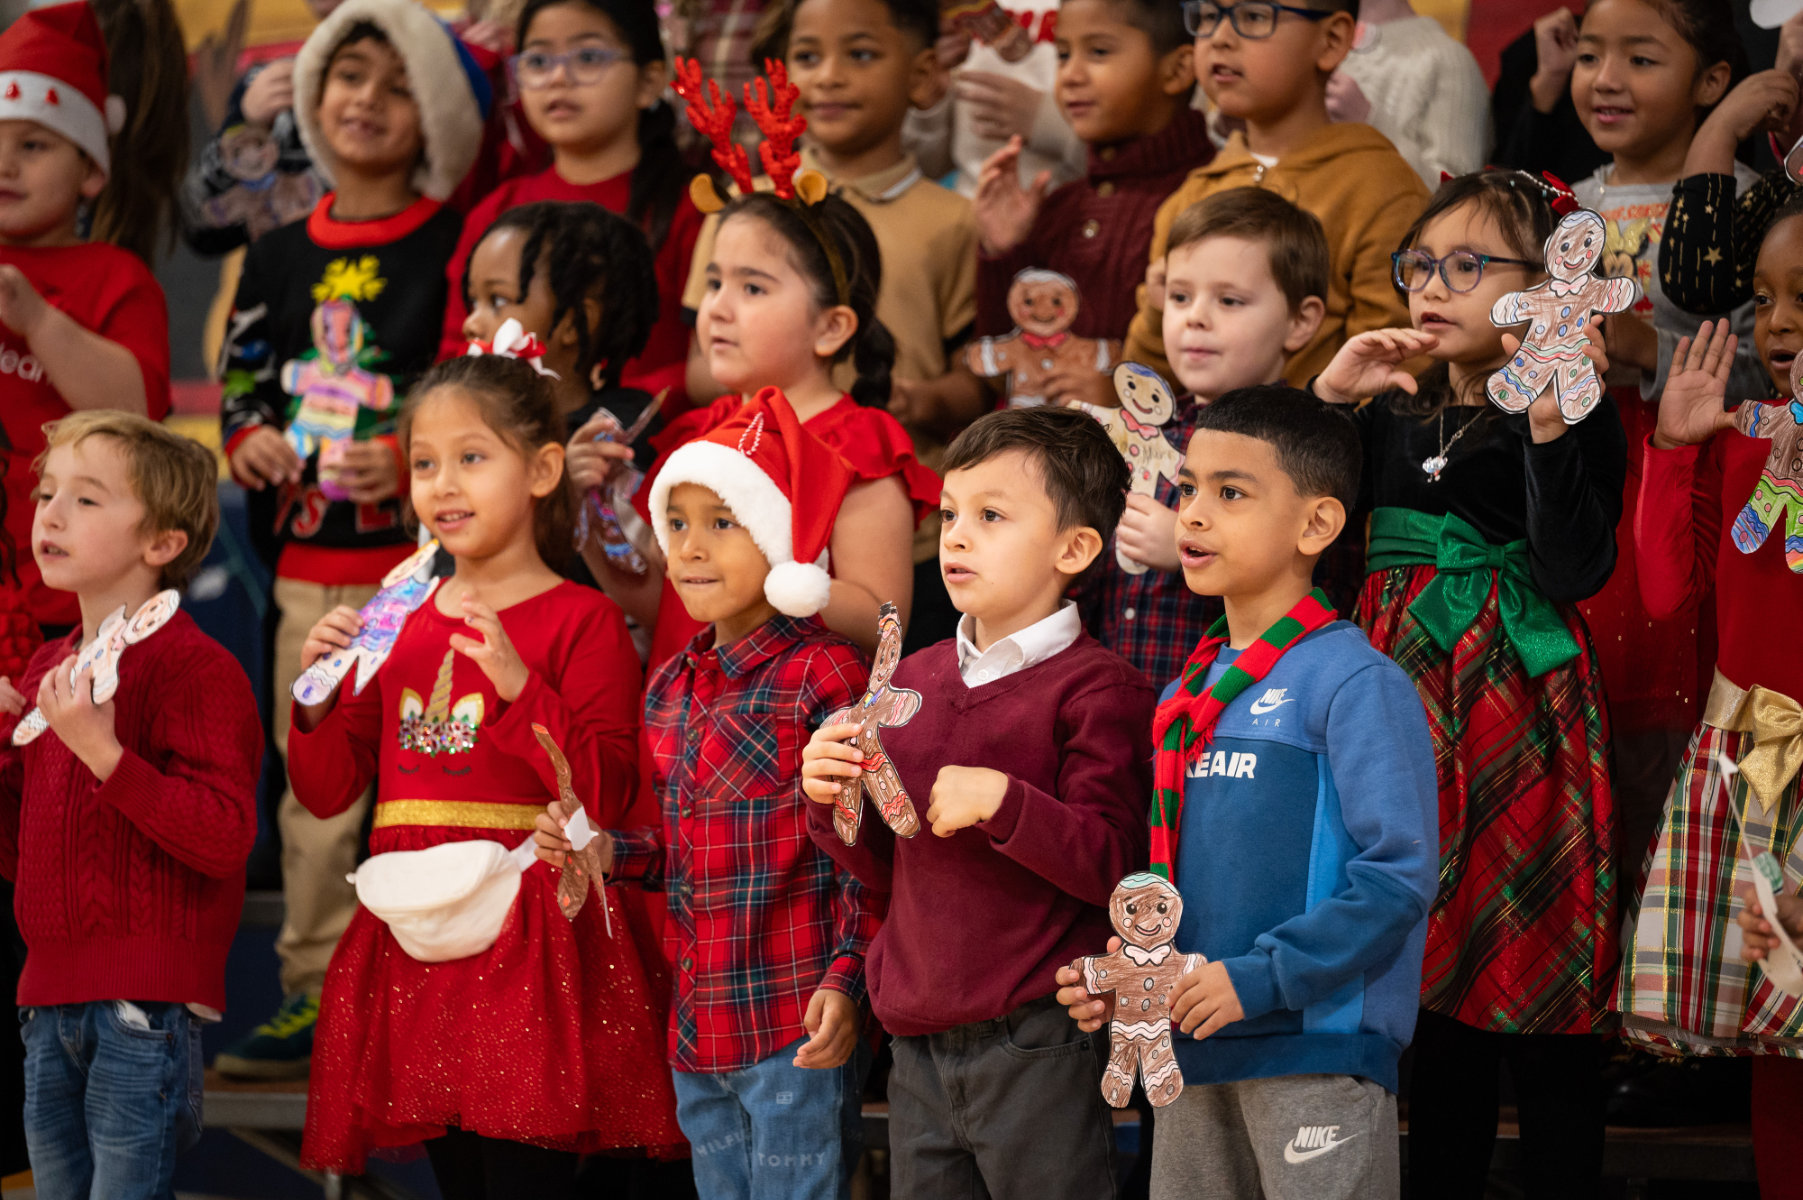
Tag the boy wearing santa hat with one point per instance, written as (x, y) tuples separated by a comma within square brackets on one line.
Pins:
[(767, 936), (83, 325)]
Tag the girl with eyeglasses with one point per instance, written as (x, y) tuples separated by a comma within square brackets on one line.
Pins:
[(590, 76), (1487, 529)]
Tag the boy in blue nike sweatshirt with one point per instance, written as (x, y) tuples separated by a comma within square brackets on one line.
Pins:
[(1299, 761)]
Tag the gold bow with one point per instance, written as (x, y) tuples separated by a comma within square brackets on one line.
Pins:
[(1777, 727)]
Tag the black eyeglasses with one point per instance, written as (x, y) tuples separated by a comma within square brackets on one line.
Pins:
[(1462, 270), (1253, 19)]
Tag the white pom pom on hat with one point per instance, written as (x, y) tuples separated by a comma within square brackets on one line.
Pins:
[(758, 462)]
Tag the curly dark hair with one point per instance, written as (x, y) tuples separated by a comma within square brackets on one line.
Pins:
[(588, 253)]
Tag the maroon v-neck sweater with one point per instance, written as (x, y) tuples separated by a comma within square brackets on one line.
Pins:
[(980, 921)]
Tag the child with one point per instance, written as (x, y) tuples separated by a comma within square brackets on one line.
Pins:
[(1268, 67), (147, 56), (768, 939), (1522, 510), (358, 285), (1306, 854), (788, 299), (515, 1059), (1245, 273), (1414, 83), (85, 325), (1647, 71), (1684, 989), (591, 75), (124, 826), (1027, 758), (1124, 81), (582, 280)]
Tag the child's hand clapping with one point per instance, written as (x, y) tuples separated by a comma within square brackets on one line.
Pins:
[(85, 728), (964, 796), (1004, 211), (1757, 938), (1690, 408), (1370, 363), (22, 310), (1204, 1001), (832, 1020), (495, 653), (1087, 1009), (829, 756), (1147, 533)]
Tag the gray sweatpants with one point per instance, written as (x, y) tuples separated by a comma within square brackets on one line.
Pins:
[(1295, 1137)]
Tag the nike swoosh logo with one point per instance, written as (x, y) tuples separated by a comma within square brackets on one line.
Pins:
[(1259, 708), (1293, 1155)]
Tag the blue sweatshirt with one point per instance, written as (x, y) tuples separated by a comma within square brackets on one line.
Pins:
[(1307, 856)]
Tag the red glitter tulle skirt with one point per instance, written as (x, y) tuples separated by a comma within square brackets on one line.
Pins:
[(550, 1037)]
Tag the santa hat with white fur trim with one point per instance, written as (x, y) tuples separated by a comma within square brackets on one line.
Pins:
[(761, 462), (53, 71), (452, 92)]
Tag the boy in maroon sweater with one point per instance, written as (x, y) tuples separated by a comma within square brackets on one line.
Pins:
[(1029, 758), (125, 825)]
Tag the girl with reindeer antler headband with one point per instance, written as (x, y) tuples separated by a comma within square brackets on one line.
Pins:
[(791, 293)]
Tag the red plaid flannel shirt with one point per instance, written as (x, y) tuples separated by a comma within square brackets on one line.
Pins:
[(759, 918)]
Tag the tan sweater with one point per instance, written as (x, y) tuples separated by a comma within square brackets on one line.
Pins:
[(1366, 196)]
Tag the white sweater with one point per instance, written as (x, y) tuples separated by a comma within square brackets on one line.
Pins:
[(1427, 95)]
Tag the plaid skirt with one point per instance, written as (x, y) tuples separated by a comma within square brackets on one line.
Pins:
[(1684, 987), (1523, 935)]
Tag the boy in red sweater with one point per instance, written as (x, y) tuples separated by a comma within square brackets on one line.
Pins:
[(124, 826), (1029, 757)]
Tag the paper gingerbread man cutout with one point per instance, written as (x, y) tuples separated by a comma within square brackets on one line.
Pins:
[(101, 655), (404, 589), (989, 23), (882, 706), (582, 865), (264, 198), (1043, 305), (1556, 313), (1141, 974), (1777, 499), (1137, 430), (331, 388)]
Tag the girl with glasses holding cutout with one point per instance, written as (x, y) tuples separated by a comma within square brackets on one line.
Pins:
[(1487, 528), (590, 75)]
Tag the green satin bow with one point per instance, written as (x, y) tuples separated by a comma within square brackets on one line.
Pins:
[(1465, 562)]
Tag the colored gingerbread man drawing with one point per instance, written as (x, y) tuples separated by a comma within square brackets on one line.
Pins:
[(330, 388), (1556, 312), (101, 656), (1137, 430), (407, 586), (1043, 305), (582, 865), (1777, 499), (882, 706), (1141, 974)]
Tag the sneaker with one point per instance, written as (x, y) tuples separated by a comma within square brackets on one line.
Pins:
[(279, 1048)]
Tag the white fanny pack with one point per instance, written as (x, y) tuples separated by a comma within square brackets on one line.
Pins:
[(445, 902)]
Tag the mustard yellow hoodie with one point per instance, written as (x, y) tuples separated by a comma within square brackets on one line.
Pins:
[(1366, 196)]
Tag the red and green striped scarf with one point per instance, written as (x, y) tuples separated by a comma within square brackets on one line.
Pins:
[(1185, 723)]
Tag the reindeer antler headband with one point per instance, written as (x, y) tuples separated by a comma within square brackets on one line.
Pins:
[(772, 107)]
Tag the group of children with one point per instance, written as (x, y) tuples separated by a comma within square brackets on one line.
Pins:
[(1402, 827)]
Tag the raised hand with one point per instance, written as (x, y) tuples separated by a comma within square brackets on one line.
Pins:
[(494, 653), (1696, 387), (1556, 44), (1004, 211), (1370, 363)]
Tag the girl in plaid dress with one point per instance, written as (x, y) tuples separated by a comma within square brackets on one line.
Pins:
[(1685, 988), (1486, 529)]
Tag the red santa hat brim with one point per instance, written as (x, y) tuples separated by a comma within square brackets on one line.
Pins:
[(53, 73)]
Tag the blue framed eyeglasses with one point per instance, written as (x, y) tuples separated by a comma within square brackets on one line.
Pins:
[(586, 65), (1462, 270)]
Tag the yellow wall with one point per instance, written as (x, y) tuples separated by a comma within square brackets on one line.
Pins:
[(1451, 14), (271, 21)]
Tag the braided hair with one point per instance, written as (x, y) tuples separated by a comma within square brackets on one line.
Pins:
[(588, 253), (832, 219)]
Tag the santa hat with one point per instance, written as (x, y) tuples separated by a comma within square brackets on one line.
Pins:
[(759, 463), (53, 71), (449, 87)]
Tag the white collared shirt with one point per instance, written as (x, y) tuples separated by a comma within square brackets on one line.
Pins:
[(1018, 651)]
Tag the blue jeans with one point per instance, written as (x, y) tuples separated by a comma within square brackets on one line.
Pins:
[(112, 1092), (774, 1131)]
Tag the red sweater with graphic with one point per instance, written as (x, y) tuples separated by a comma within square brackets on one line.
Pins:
[(131, 889), (107, 291)]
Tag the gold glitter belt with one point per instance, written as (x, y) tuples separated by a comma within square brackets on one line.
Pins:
[(1776, 723), (461, 814)]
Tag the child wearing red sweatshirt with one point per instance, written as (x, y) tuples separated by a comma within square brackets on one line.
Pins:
[(124, 825)]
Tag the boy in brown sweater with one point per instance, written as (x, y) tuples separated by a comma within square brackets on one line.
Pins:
[(1267, 65)]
